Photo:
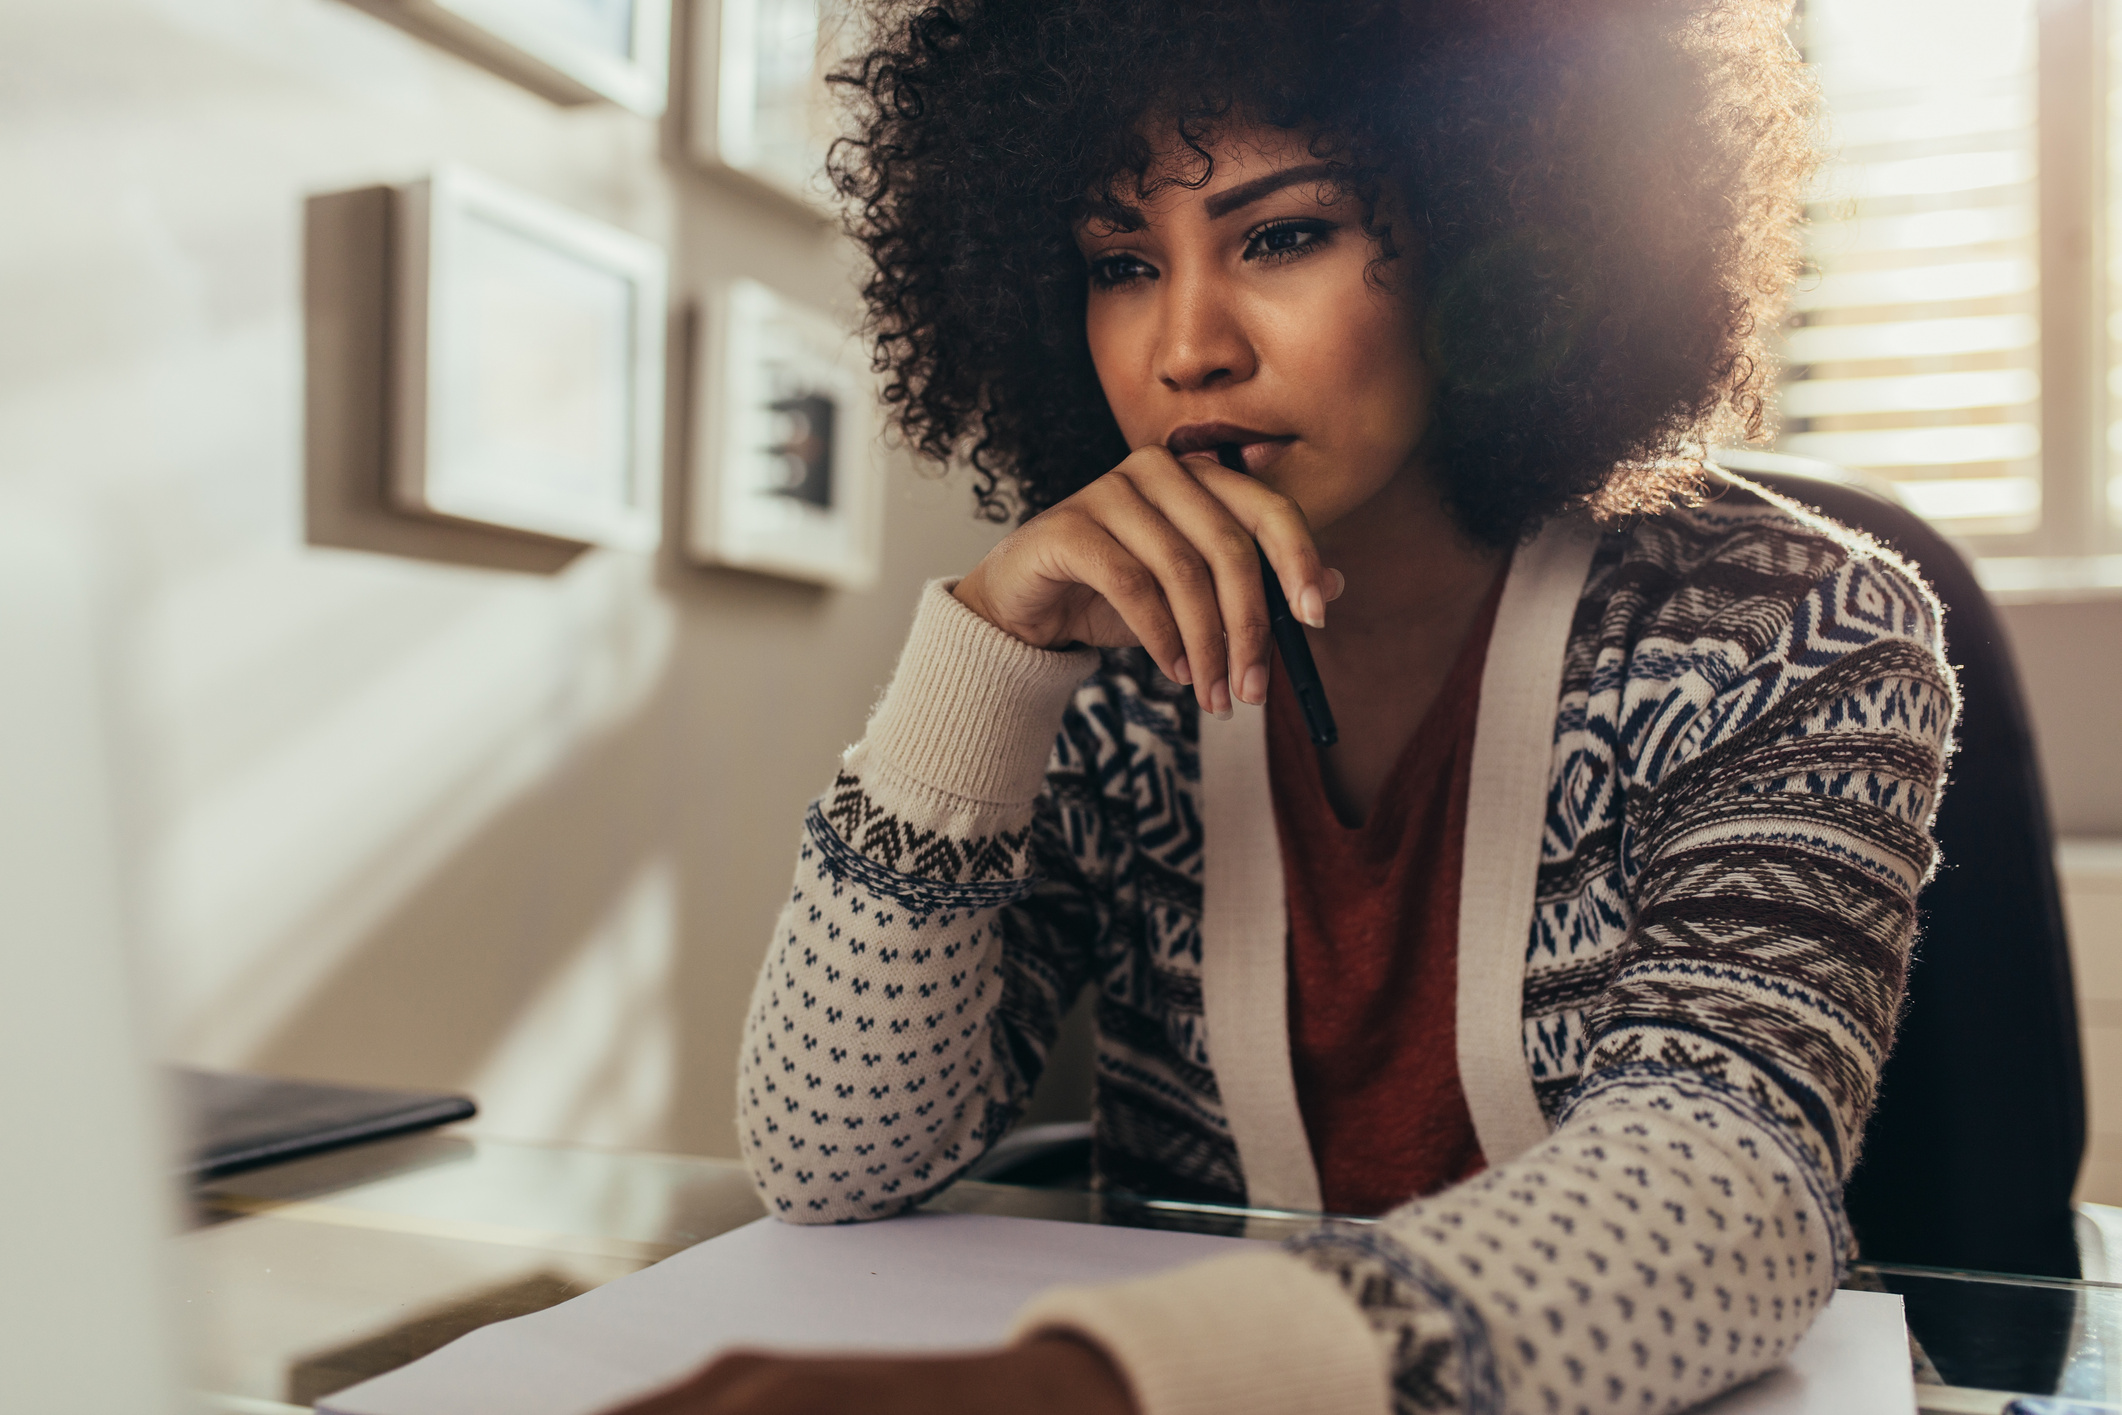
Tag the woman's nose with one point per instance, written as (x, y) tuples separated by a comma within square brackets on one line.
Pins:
[(1202, 342)]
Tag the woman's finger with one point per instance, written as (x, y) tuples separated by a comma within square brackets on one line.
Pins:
[(1099, 561), (1226, 549), (1278, 524), (1189, 584), (1227, 515)]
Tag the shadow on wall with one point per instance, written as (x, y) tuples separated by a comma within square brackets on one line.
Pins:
[(546, 870), (545, 966), (581, 958), (539, 963)]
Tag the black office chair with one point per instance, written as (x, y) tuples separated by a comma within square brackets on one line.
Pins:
[(1974, 1147)]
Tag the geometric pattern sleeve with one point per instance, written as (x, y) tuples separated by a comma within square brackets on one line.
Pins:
[(1682, 1225), (934, 934)]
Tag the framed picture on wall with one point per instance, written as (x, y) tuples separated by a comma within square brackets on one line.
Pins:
[(572, 51), (527, 364), (786, 478), (759, 103)]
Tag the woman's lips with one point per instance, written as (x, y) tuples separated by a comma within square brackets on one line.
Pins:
[(1261, 454), (1256, 449)]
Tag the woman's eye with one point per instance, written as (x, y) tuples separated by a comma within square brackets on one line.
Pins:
[(1286, 238), (1110, 271)]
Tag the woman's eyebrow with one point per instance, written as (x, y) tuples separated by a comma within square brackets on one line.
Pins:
[(1246, 193)]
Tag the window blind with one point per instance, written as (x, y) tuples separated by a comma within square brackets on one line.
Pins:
[(1914, 343)]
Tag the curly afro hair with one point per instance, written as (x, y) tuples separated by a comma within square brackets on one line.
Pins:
[(1602, 196)]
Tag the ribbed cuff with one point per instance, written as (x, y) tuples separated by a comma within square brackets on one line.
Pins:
[(972, 711), (1258, 1332)]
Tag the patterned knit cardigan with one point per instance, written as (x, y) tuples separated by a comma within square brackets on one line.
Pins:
[(1708, 748)]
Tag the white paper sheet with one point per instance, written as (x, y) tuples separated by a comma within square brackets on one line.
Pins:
[(934, 1282), (1854, 1361)]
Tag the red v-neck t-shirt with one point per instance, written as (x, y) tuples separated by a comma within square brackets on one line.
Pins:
[(1373, 950)]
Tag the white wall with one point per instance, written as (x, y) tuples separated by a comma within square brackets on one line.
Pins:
[(406, 821), (2092, 902), (2070, 663)]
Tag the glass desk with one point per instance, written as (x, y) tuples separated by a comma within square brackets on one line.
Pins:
[(301, 1279)]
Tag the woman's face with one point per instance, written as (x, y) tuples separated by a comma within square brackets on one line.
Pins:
[(1243, 312)]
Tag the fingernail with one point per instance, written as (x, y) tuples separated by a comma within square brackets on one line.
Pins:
[(1182, 672), (1336, 585), (1219, 699), (1310, 608), (1255, 685)]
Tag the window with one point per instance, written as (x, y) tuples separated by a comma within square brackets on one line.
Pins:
[(1952, 334)]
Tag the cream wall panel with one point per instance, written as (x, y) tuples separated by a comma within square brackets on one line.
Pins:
[(2092, 904), (2070, 666)]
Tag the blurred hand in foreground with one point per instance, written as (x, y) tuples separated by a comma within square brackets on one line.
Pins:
[(1049, 1375)]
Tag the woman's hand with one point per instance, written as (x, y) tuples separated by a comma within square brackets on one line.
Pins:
[(1048, 1375), (1159, 552)]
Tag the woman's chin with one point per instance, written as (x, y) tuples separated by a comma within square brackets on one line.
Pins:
[(1332, 498)]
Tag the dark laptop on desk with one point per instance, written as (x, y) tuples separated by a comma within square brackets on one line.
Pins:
[(233, 1122)]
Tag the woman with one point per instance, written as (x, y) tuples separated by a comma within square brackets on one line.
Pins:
[(1576, 957)]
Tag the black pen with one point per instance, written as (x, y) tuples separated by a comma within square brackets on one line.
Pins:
[(1289, 636)]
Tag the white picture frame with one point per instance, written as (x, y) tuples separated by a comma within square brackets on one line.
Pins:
[(759, 105), (572, 51), (787, 479), (527, 360)]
